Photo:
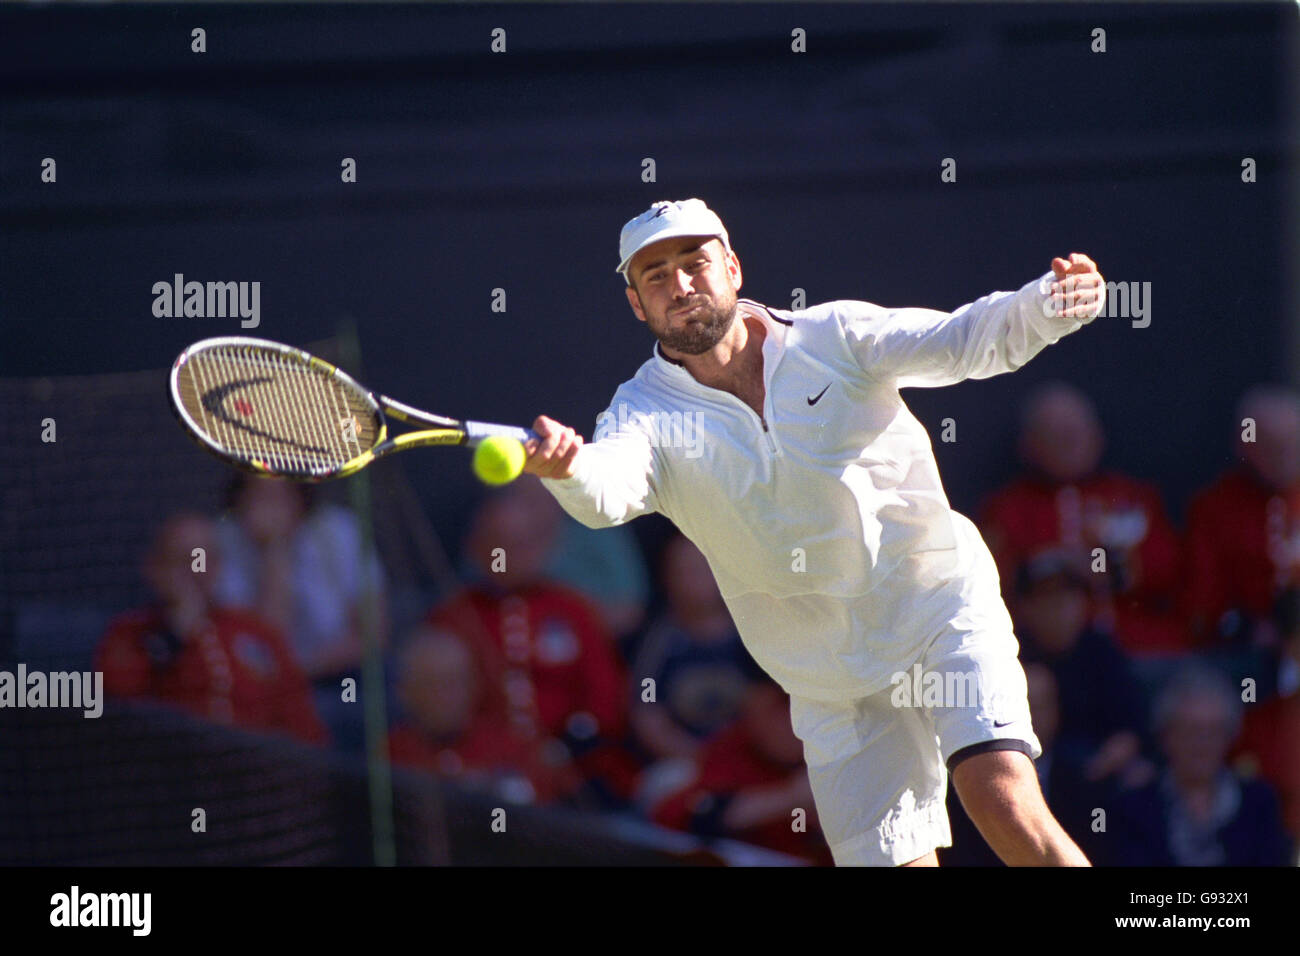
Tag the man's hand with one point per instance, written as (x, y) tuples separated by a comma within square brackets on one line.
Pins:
[(553, 456), (1079, 290)]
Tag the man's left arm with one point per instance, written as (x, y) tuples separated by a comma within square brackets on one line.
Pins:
[(997, 333)]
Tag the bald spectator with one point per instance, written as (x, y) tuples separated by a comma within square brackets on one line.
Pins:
[(560, 675), (1065, 501), (1198, 812), (455, 723), (605, 566), (1244, 529), (222, 664)]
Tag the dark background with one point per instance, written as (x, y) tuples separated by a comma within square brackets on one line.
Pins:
[(516, 170)]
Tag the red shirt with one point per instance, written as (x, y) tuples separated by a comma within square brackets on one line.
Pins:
[(487, 749), (1243, 544), (1270, 741), (553, 651), (233, 668), (1109, 510), (727, 765)]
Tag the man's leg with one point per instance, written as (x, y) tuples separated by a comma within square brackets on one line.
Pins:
[(1000, 792)]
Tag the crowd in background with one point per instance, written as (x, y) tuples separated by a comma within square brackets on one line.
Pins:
[(1163, 665)]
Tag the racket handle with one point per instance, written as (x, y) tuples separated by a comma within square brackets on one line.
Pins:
[(475, 432)]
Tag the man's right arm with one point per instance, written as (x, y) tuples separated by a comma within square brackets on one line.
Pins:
[(605, 483)]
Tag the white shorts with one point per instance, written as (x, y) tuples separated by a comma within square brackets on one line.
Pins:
[(879, 765)]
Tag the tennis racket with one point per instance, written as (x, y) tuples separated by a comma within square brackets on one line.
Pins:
[(276, 410)]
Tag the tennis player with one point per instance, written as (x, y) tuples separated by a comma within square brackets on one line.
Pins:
[(777, 441)]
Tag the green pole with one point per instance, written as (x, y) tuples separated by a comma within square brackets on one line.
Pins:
[(378, 771)]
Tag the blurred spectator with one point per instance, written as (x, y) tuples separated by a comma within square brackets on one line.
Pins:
[(222, 664), (603, 565), (1270, 738), (560, 674), (1198, 812), (456, 724), (1101, 717), (749, 780), (1064, 501), (697, 661), (1244, 529), (302, 568), (606, 565)]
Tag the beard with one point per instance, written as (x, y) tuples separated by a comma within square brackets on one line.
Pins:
[(703, 331)]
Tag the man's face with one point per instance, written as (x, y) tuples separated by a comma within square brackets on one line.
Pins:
[(684, 289), (1197, 739), (169, 567), (1062, 438)]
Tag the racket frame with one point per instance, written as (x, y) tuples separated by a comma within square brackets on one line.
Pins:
[(437, 430)]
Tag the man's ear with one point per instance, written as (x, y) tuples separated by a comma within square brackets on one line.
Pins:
[(733, 266), (634, 301)]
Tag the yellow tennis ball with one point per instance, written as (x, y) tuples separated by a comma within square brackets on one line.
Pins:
[(498, 460)]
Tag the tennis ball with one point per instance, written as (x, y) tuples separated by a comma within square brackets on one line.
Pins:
[(498, 460)]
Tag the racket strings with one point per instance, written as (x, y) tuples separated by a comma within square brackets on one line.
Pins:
[(267, 407)]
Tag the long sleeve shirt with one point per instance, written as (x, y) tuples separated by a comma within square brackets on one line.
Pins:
[(823, 520)]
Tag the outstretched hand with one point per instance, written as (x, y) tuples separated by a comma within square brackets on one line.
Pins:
[(1079, 291)]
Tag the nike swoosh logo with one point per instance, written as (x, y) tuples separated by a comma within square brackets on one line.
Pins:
[(214, 402), (814, 401), (1002, 723)]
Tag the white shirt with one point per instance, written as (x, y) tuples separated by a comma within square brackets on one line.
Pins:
[(824, 521)]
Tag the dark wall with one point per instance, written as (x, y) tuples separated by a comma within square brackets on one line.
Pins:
[(516, 170)]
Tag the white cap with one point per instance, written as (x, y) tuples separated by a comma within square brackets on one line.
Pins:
[(667, 220)]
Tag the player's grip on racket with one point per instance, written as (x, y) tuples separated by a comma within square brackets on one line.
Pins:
[(277, 410)]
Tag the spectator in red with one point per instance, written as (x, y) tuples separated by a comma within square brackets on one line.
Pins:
[(1064, 501), (560, 675), (750, 780), (222, 664), (1243, 531), (1270, 739), (456, 725)]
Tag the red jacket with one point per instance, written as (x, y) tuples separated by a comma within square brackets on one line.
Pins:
[(1238, 536), (552, 648), (1270, 744), (727, 765), (233, 668), (1108, 510)]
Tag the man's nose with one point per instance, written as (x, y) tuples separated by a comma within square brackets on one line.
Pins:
[(683, 280)]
